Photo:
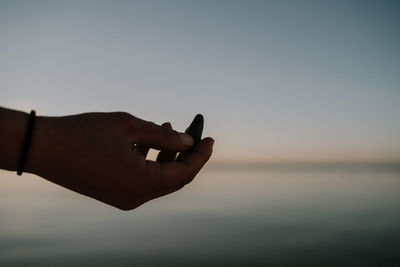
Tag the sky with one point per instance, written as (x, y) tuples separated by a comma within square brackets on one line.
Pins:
[(277, 81)]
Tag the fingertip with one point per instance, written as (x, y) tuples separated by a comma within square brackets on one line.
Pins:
[(205, 146), (209, 140), (186, 139)]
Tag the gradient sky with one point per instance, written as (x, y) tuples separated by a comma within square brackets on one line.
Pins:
[(275, 80)]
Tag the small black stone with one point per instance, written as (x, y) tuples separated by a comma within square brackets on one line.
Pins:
[(196, 128)]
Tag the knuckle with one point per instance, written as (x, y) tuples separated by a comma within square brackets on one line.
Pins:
[(122, 120), (136, 123), (124, 116), (147, 127)]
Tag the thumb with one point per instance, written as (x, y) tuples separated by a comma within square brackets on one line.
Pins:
[(162, 137)]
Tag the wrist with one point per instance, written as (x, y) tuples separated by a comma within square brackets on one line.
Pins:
[(38, 152), (12, 136)]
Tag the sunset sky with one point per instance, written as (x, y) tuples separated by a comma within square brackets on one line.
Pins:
[(277, 81)]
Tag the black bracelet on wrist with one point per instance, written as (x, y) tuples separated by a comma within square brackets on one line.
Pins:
[(27, 142)]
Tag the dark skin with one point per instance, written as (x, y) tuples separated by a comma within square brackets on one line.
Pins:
[(103, 155)]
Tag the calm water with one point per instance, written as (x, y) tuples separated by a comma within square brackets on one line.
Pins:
[(277, 216)]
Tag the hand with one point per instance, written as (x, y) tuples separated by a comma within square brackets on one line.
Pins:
[(103, 156)]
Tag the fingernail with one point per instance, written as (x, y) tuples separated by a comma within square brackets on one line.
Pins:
[(186, 139)]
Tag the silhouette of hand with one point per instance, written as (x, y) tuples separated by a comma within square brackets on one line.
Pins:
[(103, 156)]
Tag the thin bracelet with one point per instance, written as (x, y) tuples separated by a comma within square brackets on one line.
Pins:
[(27, 142)]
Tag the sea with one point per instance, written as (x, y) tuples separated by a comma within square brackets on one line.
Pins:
[(230, 215)]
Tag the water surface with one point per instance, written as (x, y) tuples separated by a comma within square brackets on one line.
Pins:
[(229, 216)]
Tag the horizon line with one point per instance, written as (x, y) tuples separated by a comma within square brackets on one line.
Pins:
[(245, 163)]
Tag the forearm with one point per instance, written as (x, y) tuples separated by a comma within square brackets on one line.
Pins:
[(49, 148), (12, 133)]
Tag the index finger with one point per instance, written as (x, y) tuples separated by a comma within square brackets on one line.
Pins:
[(160, 137)]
